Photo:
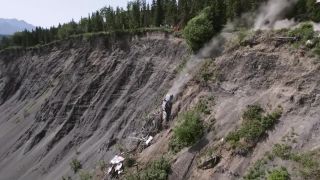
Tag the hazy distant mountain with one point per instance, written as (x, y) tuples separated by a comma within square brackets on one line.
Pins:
[(10, 26)]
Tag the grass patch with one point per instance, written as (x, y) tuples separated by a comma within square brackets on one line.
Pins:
[(182, 65), (254, 127), (279, 174), (157, 170), (75, 165), (304, 32), (188, 132), (282, 151), (308, 163), (203, 106), (258, 171), (207, 73), (84, 175)]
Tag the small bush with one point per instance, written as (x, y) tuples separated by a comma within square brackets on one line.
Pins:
[(207, 73), (304, 32), (129, 162), (253, 128), (187, 132), (75, 165), (84, 175), (157, 170), (66, 178), (199, 30), (309, 164), (282, 151), (202, 107), (279, 174), (258, 171)]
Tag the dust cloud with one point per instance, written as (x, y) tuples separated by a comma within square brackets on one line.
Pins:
[(269, 16), (213, 49)]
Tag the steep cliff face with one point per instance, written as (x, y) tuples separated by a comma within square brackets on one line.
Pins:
[(271, 75), (79, 99), (90, 98)]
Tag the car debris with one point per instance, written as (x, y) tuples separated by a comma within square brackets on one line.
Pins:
[(309, 43), (166, 109), (116, 167), (147, 140), (117, 159), (210, 163)]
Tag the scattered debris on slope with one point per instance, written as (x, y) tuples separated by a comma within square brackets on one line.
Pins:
[(91, 103)]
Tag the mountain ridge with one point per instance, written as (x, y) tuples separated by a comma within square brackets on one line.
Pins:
[(11, 26)]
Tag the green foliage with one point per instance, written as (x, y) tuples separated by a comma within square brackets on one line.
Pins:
[(199, 30), (102, 165), (182, 65), (253, 128), (316, 50), (305, 10), (207, 73), (202, 107), (304, 32), (189, 131), (258, 171), (84, 175), (129, 162), (66, 178), (157, 170), (283, 151), (242, 36), (167, 13), (309, 163), (279, 174), (75, 165)]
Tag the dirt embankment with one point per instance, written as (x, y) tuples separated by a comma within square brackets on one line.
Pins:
[(265, 73), (86, 99), (79, 98)]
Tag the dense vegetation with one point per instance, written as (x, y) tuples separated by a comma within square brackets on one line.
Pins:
[(156, 170), (308, 163), (173, 14), (254, 126), (189, 131), (279, 174), (75, 165)]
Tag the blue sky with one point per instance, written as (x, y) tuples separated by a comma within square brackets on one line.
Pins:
[(50, 12)]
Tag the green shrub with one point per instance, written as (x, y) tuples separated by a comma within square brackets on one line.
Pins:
[(202, 107), (309, 164), (157, 170), (253, 128), (207, 73), (129, 162), (199, 30), (282, 151), (66, 178), (304, 32), (187, 132), (279, 174), (75, 165), (258, 171), (84, 175)]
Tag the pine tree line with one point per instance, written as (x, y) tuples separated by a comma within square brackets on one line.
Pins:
[(139, 14)]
